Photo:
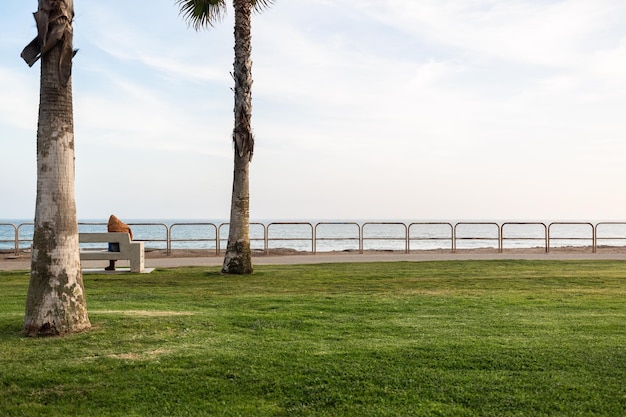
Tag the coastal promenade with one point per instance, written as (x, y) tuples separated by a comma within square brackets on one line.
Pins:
[(12, 263)]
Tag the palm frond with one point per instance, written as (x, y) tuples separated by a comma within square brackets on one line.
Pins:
[(202, 13), (260, 5)]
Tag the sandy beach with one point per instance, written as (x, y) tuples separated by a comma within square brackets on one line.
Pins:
[(159, 258)]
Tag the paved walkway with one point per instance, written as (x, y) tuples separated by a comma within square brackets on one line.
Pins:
[(23, 262)]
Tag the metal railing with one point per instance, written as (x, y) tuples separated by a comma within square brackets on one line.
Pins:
[(476, 237), (215, 238), (15, 241), (394, 236), (522, 238), (325, 238), (223, 236), (140, 231), (432, 237), (598, 237), (591, 239), (299, 236), (18, 235), (380, 237)]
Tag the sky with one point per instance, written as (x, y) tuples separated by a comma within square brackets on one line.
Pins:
[(362, 109)]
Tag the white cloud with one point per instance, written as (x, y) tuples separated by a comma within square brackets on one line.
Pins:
[(551, 33), (609, 64), (395, 109)]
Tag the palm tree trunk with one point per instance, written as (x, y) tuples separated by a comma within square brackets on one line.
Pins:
[(55, 303), (238, 258)]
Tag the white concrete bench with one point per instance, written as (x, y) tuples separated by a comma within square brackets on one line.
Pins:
[(129, 250)]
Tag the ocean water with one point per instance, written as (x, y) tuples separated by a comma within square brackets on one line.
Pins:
[(348, 235)]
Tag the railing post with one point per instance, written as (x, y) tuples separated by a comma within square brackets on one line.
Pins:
[(361, 239), (16, 243), (18, 239), (594, 237), (454, 238), (168, 245), (406, 239), (219, 238)]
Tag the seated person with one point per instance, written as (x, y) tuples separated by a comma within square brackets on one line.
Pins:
[(116, 225)]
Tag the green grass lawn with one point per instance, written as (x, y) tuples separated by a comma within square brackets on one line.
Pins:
[(471, 338)]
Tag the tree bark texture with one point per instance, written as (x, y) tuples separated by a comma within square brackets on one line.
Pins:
[(238, 258), (55, 303)]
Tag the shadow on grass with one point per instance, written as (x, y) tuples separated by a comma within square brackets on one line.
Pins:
[(12, 328)]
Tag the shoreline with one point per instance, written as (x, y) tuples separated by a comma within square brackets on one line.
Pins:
[(156, 258), (150, 253)]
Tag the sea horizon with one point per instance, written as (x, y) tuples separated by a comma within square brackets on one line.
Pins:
[(313, 235)]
